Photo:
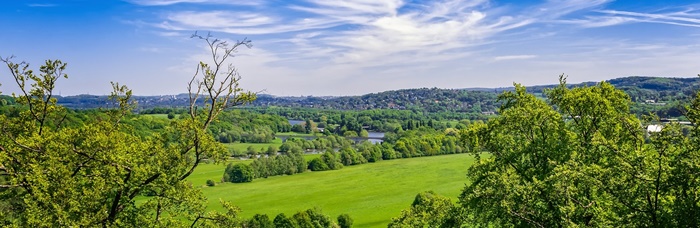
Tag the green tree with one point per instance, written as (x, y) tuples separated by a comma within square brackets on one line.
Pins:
[(90, 174), (239, 173), (281, 221), (364, 133), (271, 150), (260, 221), (581, 160), (309, 126), (251, 150), (317, 164), (345, 221), (427, 210), (298, 128), (313, 218)]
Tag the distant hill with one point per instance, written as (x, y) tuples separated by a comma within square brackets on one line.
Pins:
[(641, 89)]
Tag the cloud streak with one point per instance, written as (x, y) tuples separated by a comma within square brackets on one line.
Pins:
[(173, 2), (342, 39)]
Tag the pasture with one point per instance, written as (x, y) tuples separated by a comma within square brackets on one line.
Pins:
[(371, 193)]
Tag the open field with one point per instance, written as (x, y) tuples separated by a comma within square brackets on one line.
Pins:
[(162, 116), (371, 193), (293, 134), (244, 146)]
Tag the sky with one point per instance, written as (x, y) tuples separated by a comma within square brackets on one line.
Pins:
[(351, 47)]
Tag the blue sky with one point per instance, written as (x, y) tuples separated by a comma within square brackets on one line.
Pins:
[(351, 47)]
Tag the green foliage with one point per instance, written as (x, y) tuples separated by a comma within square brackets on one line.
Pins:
[(317, 164), (581, 160), (86, 173), (427, 210), (260, 221), (345, 221), (284, 164), (248, 127), (313, 218), (239, 173), (211, 183), (281, 221)]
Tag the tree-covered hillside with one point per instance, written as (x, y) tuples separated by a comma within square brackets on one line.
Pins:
[(649, 94)]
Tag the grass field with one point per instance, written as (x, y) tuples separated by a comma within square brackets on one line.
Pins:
[(257, 146), (293, 134), (162, 116), (371, 193)]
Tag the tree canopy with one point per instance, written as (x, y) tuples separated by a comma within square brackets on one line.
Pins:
[(580, 159), (55, 174)]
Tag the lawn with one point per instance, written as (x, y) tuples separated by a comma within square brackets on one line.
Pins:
[(295, 134), (258, 146), (371, 193), (162, 116)]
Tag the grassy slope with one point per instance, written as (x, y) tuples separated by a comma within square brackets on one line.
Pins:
[(257, 146), (293, 134), (370, 193)]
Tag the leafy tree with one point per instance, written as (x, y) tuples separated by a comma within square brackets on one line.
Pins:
[(271, 150), (581, 160), (260, 221), (239, 173), (313, 218), (345, 221), (350, 134), (251, 150), (317, 164), (90, 174), (298, 128), (427, 210), (309, 126), (211, 183), (281, 221), (364, 133)]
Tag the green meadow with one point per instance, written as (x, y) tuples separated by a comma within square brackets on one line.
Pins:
[(295, 134), (258, 146), (161, 116), (371, 193)]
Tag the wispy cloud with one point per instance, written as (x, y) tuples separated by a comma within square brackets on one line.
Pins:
[(342, 39), (513, 57), (172, 2), (42, 5), (379, 32), (682, 18)]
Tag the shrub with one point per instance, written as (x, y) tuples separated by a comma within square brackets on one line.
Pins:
[(239, 173)]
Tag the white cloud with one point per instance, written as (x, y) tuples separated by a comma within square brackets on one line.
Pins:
[(172, 2), (322, 42), (42, 5), (220, 19), (513, 57), (593, 22), (673, 18)]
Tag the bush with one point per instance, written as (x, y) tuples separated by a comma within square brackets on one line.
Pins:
[(260, 221), (318, 165), (239, 173), (210, 183), (344, 221)]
